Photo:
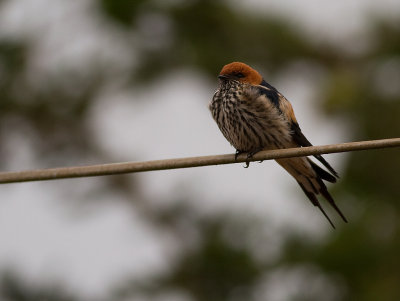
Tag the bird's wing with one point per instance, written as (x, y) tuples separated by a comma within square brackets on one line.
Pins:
[(280, 102), (301, 140), (308, 174), (286, 109)]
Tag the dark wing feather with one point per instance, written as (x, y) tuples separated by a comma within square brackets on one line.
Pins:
[(322, 173), (284, 106), (301, 140), (271, 93)]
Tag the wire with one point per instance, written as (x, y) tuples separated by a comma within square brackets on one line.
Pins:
[(132, 167)]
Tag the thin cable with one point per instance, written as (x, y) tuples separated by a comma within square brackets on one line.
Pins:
[(132, 167)]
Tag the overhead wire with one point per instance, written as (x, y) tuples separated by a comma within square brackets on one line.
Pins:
[(188, 162)]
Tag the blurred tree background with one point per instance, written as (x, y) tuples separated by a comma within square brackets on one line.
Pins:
[(358, 261)]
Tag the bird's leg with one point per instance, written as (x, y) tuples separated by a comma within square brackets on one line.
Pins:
[(238, 152), (251, 154)]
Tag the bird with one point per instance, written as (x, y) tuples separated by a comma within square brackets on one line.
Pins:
[(255, 116)]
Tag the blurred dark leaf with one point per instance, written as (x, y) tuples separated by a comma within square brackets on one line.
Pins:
[(122, 11), (12, 288)]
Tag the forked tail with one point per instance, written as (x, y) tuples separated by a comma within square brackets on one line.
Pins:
[(310, 178)]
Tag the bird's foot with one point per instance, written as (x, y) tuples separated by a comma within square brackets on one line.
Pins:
[(251, 154), (238, 152)]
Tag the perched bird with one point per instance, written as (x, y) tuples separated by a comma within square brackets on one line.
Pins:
[(254, 116)]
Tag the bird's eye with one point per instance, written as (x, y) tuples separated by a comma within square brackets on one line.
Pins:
[(239, 75)]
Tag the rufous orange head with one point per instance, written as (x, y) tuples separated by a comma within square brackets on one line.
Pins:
[(240, 72)]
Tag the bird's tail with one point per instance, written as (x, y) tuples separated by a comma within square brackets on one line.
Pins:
[(310, 178)]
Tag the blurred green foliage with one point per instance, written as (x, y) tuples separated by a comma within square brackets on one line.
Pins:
[(14, 288), (215, 270), (54, 115), (207, 34)]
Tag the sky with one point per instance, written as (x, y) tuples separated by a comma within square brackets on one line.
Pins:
[(41, 232)]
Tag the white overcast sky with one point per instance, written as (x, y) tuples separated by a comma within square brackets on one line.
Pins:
[(44, 238)]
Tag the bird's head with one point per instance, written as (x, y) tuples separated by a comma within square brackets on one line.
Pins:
[(240, 72)]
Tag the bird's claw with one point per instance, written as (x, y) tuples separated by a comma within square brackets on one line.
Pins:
[(238, 152), (249, 156)]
